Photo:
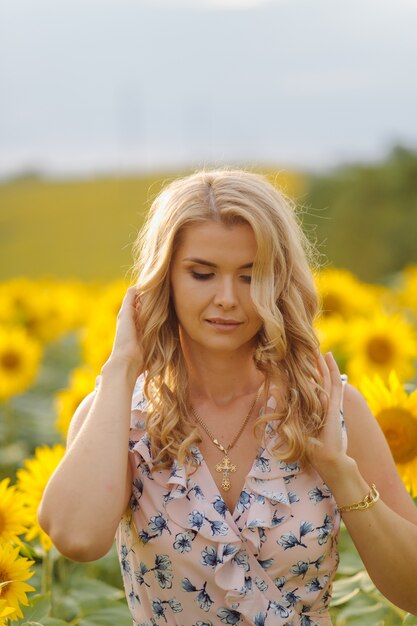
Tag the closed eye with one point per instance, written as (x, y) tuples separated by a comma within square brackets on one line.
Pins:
[(200, 276), (246, 279)]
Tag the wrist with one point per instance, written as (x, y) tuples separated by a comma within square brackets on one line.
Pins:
[(122, 368), (343, 478), (343, 469)]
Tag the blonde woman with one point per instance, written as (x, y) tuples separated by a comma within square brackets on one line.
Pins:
[(215, 446)]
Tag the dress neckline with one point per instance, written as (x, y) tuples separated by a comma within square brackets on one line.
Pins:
[(215, 489)]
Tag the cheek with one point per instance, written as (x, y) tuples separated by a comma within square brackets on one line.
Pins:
[(175, 302), (252, 311), (178, 288), (257, 321), (258, 324), (186, 298), (175, 298)]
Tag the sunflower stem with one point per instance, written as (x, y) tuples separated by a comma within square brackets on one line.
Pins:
[(46, 582)]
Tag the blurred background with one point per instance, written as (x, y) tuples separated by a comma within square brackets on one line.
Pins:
[(102, 100), (101, 103)]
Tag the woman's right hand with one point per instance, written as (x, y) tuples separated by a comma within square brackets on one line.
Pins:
[(79, 512), (127, 345)]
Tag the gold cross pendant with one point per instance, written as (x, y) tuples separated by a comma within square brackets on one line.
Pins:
[(226, 467)]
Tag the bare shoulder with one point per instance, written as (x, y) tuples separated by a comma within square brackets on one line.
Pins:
[(79, 417), (368, 446)]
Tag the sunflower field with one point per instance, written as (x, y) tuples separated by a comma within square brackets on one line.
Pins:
[(54, 337)]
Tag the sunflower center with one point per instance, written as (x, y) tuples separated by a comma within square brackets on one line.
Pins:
[(4, 575), (10, 360), (380, 350), (331, 304), (400, 430)]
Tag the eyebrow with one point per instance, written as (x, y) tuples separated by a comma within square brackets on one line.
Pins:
[(210, 264)]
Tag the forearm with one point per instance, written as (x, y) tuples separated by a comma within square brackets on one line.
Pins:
[(85, 498), (385, 541)]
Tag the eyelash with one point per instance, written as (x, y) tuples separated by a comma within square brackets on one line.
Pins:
[(199, 276)]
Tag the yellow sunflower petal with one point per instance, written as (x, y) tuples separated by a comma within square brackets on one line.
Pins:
[(31, 483), (98, 334), (82, 381), (396, 412), (380, 344), (14, 518), (6, 612), (20, 357), (14, 571), (407, 290), (342, 294)]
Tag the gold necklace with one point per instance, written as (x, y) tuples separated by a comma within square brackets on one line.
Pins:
[(226, 466)]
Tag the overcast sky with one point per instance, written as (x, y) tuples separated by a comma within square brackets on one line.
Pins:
[(101, 85)]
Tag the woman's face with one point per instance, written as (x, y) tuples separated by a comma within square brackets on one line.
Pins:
[(210, 286)]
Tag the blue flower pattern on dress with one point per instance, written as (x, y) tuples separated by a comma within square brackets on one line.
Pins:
[(202, 598), (187, 560), (183, 541), (209, 556)]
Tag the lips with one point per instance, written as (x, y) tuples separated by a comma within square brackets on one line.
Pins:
[(223, 322)]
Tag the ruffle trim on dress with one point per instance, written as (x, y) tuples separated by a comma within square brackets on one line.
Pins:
[(267, 503), (267, 488)]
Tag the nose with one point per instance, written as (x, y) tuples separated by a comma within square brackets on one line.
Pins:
[(226, 296)]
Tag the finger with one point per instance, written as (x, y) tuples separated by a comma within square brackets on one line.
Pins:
[(130, 298), (332, 365), (323, 391), (136, 304), (333, 370), (325, 373), (131, 294), (335, 381), (127, 308)]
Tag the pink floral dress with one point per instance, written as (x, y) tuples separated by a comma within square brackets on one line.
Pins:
[(187, 560)]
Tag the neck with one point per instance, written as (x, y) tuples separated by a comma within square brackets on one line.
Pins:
[(221, 378)]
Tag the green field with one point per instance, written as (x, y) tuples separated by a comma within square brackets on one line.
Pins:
[(77, 229), (364, 218)]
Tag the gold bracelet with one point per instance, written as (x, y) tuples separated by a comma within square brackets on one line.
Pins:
[(369, 500)]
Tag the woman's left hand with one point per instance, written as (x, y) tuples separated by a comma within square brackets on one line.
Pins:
[(327, 448)]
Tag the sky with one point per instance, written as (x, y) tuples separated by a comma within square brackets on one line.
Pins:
[(91, 86)]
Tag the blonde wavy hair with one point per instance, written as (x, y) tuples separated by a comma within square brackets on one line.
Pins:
[(282, 290)]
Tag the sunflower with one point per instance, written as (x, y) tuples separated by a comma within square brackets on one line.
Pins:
[(13, 514), (6, 612), (98, 336), (407, 291), (78, 299), (14, 570), (331, 332), (108, 299), (47, 309), (396, 412), (97, 339), (31, 482), (342, 294), (377, 345), (82, 382), (15, 296), (57, 309), (20, 356)]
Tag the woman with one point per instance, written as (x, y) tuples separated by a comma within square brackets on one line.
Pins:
[(215, 447)]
